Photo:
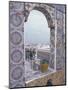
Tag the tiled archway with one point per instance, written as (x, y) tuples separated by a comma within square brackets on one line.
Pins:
[(18, 14), (51, 24)]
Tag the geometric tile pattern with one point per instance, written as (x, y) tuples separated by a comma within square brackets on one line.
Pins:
[(18, 13), (16, 41), (60, 43)]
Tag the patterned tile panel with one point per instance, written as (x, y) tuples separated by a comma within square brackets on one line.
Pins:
[(16, 37)]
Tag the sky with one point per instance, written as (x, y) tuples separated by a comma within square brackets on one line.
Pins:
[(36, 30)]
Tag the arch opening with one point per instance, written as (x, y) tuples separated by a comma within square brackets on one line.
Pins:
[(37, 44), (46, 14), (43, 11)]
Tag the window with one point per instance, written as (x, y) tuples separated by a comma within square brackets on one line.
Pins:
[(37, 46)]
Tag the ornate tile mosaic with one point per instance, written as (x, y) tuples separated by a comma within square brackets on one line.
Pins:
[(18, 15)]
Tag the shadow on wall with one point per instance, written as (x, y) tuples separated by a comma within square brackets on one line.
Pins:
[(49, 83)]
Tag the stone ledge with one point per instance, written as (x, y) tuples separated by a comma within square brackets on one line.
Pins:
[(57, 79)]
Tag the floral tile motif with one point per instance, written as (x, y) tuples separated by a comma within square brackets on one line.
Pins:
[(18, 15)]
